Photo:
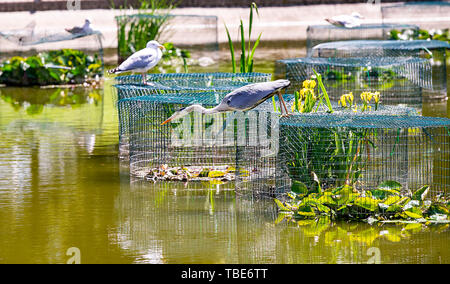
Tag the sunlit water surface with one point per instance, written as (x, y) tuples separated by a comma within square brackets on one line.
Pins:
[(62, 186)]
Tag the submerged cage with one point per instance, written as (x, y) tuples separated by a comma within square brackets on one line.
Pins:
[(434, 50), (398, 79), (365, 151), (259, 163), (217, 85), (195, 140), (317, 34), (427, 15), (134, 31)]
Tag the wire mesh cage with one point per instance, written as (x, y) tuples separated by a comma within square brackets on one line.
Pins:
[(47, 64), (134, 31), (317, 34), (196, 80), (434, 50), (259, 164), (399, 80), (329, 151), (217, 85), (194, 143), (427, 15)]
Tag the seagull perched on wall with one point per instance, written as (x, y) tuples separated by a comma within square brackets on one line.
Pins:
[(347, 21), (85, 29), (141, 61), (242, 99)]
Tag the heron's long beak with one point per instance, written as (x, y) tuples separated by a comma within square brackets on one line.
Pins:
[(167, 121)]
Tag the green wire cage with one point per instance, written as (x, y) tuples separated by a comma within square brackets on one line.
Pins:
[(398, 79)]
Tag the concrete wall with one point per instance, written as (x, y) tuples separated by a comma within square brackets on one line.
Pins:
[(44, 5)]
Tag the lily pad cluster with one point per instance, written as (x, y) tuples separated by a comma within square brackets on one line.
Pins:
[(191, 173), (56, 67), (385, 202)]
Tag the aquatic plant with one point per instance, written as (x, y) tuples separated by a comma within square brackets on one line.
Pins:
[(245, 62), (421, 34), (135, 31), (55, 67), (331, 155), (151, 21), (383, 203)]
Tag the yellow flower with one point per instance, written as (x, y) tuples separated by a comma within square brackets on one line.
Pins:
[(309, 84), (342, 101), (376, 97), (346, 98)]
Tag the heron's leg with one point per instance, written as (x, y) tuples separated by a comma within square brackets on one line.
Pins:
[(284, 104), (144, 78), (281, 105)]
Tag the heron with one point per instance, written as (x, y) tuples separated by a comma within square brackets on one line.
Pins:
[(142, 60), (348, 21), (242, 99)]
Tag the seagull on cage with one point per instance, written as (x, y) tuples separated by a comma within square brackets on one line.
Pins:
[(347, 21), (141, 61), (85, 29), (242, 99)]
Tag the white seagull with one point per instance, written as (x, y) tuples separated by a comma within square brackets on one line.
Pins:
[(85, 29), (348, 21), (141, 61)]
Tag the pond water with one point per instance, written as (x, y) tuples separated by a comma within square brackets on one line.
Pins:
[(62, 185)]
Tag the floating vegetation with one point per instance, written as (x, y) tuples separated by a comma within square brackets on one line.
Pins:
[(411, 34), (56, 67), (191, 173), (385, 203)]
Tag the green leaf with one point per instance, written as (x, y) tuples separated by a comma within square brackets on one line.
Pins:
[(414, 213), (383, 193), (299, 187), (230, 45), (421, 193), (281, 205), (306, 211), (390, 185), (391, 199), (324, 91), (317, 181), (367, 203)]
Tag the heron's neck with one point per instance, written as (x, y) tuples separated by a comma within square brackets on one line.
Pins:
[(201, 109)]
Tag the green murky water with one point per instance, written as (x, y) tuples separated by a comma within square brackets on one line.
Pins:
[(62, 186)]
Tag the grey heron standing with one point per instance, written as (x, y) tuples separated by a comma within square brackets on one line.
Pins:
[(141, 61), (242, 99)]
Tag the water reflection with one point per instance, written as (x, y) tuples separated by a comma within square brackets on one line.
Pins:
[(166, 222)]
